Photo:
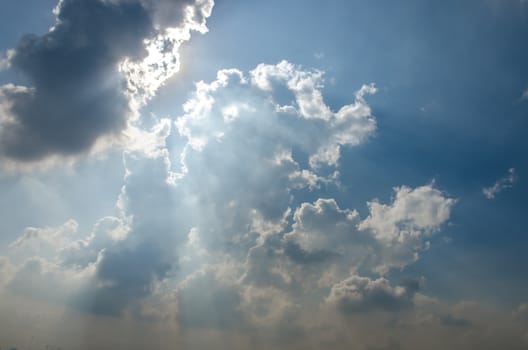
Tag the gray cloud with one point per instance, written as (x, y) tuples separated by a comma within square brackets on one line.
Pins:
[(77, 95), (6, 271), (362, 294), (129, 268), (231, 210), (122, 260), (452, 321), (205, 301)]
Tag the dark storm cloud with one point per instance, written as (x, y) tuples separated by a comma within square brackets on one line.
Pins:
[(76, 94)]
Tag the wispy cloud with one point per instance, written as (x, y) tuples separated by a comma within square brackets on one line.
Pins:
[(501, 184)]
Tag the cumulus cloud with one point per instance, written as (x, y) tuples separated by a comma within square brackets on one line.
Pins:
[(240, 146), (323, 132), (503, 183), (328, 248), (325, 242), (404, 226), (232, 227), (88, 75), (47, 238), (348, 126), (362, 294), (391, 236), (129, 268), (413, 212), (231, 232), (122, 258), (324, 226)]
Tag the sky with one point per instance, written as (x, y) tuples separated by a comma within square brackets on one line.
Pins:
[(201, 174)]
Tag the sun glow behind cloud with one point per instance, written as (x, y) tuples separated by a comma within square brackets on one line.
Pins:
[(225, 240), (127, 50), (145, 77), (257, 217)]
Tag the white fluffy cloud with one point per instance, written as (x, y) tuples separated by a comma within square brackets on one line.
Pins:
[(414, 212), (320, 132), (392, 236), (403, 227)]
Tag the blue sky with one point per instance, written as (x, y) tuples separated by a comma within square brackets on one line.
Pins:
[(274, 175)]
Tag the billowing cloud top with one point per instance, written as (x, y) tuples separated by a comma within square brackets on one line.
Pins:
[(228, 217)]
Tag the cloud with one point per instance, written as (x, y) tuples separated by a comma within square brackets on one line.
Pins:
[(324, 131), (55, 238), (325, 242), (404, 226), (351, 125), (5, 58), (130, 267), (174, 22), (89, 74), (233, 227), (391, 236), (6, 271), (43, 280), (362, 294), (503, 183), (452, 321), (206, 301), (84, 251), (413, 212), (324, 226), (240, 146), (328, 248), (122, 259)]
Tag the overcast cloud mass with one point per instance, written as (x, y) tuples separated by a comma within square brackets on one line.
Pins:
[(180, 174)]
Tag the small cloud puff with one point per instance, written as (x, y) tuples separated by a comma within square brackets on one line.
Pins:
[(503, 183)]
